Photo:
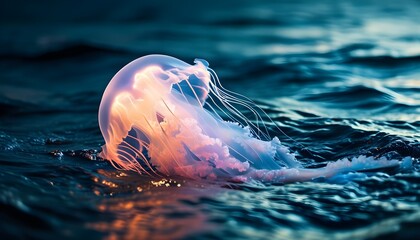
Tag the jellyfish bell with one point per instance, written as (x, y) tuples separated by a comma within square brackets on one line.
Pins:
[(162, 116), (147, 75), (138, 103)]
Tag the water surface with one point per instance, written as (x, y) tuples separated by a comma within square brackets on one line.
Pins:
[(340, 78)]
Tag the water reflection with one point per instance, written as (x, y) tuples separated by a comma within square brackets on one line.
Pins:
[(138, 207)]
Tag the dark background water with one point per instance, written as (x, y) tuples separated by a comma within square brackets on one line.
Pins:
[(342, 78)]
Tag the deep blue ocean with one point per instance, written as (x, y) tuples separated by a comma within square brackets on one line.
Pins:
[(340, 78)]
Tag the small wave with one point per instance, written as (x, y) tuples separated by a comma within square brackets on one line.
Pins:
[(384, 61), (246, 21), (358, 96), (63, 51)]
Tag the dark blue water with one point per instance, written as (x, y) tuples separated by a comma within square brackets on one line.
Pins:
[(340, 78)]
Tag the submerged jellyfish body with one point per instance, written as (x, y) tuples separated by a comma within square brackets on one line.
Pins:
[(160, 115)]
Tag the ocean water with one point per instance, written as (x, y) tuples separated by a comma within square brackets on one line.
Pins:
[(341, 79)]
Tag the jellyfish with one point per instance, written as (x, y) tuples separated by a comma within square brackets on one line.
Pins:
[(162, 116)]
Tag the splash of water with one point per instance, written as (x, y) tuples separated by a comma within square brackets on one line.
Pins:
[(160, 115)]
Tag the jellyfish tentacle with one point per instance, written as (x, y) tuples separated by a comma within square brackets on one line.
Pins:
[(235, 120), (141, 155), (195, 94), (226, 96), (251, 108), (233, 110), (166, 145), (217, 80)]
